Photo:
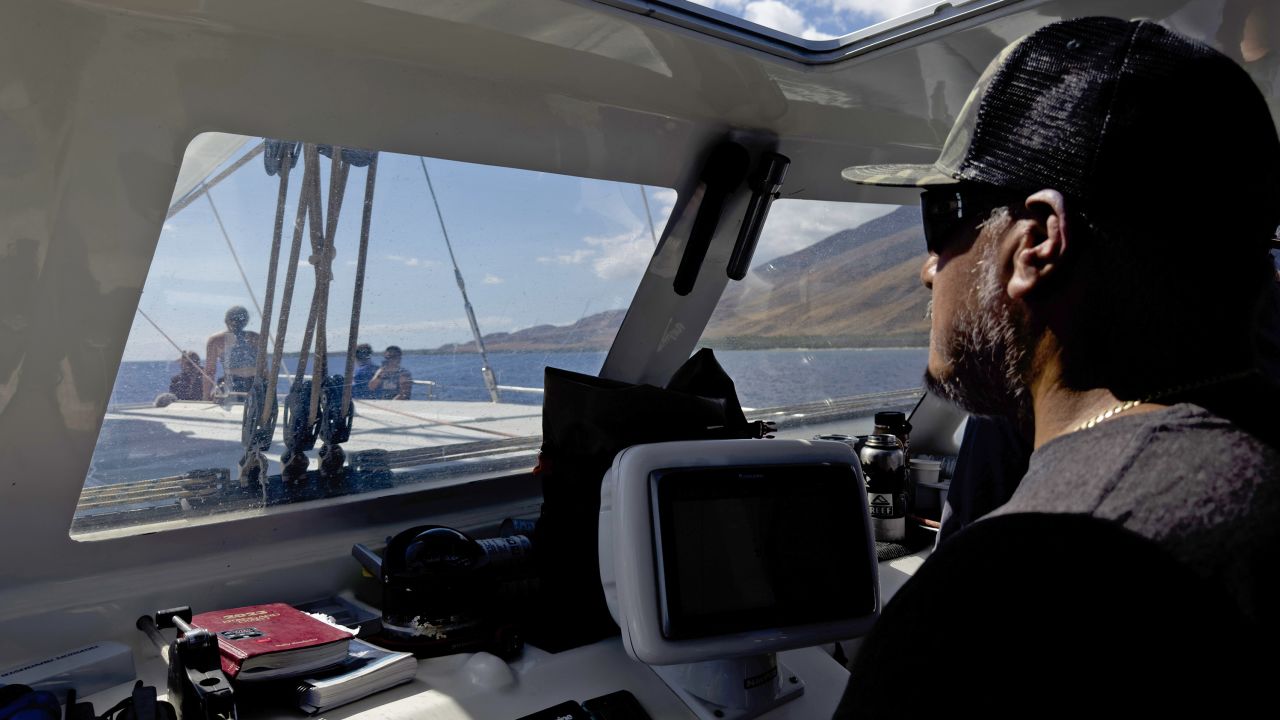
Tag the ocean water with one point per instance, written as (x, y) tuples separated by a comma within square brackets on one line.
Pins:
[(764, 378)]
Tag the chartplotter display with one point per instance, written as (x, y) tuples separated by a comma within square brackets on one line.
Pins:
[(754, 547)]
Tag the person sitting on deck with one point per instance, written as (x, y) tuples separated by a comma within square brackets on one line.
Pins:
[(237, 348), (391, 382), (365, 368), (187, 384)]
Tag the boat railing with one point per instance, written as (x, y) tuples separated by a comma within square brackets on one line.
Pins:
[(517, 388)]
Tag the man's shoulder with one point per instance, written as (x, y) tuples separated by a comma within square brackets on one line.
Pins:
[(1183, 436), (1197, 483), (1072, 579)]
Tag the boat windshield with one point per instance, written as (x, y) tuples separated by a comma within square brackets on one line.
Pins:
[(539, 267), (466, 281), (831, 321)]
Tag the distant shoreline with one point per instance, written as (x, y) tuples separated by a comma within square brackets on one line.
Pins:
[(564, 351)]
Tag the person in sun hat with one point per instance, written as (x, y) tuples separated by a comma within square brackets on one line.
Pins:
[(1099, 225)]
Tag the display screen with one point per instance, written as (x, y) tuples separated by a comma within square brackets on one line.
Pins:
[(751, 548)]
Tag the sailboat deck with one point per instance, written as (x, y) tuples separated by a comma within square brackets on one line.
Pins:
[(144, 443)]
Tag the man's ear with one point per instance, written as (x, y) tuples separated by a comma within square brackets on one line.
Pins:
[(1041, 245)]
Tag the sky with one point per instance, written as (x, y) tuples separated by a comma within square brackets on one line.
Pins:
[(533, 248), (815, 19)]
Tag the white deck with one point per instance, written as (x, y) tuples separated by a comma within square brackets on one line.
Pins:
[(144, 443)]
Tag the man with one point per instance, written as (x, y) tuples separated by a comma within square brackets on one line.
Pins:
[(391, 382), (365, 369), (236, 349), (1098, 224)]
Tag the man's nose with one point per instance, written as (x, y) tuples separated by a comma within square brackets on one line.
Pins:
[(928, 270)]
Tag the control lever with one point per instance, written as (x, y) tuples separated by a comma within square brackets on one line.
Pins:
[(198, 689), (723, 173), (766, 185)]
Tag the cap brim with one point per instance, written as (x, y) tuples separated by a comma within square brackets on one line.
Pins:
[(898, 175)]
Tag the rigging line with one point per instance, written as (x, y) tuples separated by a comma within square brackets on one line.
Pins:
[(194, 195), (338, 169), (216, 216), (269, 296), (181, 352), (291, 273), (357, 295), (648, 214), (491, 382), (316, 233)]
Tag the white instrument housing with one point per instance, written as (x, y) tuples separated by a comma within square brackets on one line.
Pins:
[(630, 538)]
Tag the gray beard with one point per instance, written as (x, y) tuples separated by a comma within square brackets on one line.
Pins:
[(988, 353)]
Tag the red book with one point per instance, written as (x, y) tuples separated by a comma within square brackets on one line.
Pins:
[(262, 642)]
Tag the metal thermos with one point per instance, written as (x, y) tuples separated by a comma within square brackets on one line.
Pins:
[(884, 465)]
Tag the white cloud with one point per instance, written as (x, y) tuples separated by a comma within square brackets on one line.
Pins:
[(490, 279), (777, 15), (168, 227), (574, 258), (624, 255), (794, 225), (877, 9), (723, 5), (621, 256), (410, 261), (802, 17), (663, 201)]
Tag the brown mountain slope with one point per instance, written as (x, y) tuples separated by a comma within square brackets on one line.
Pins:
[(855, 288), (858, 287), (593, 332)]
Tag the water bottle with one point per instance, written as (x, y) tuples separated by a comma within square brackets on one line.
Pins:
[(884, 465)]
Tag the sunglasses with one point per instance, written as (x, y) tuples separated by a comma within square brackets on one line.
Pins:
[(945, 212)]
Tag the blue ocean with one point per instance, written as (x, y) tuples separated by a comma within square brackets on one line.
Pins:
[(764, 378)]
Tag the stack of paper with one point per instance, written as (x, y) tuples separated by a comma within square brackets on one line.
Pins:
[(367, 670)]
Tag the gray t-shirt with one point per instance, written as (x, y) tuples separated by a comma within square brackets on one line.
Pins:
[(1205, 490)]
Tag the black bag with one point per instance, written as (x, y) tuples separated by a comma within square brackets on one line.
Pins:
[(586, 421)]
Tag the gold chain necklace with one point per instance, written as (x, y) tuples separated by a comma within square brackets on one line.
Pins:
[(1130, 404)]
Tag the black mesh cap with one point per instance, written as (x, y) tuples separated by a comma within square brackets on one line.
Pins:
[(1101, 108)]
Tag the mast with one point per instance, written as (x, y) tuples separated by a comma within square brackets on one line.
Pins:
[(490, 382)]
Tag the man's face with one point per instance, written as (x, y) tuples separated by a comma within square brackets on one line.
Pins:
[(391, 360), (978, 352)]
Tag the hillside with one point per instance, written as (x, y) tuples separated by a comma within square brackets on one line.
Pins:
[(856, 288), (593, 332)]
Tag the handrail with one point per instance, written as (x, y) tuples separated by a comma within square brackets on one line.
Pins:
[(517, 388)]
